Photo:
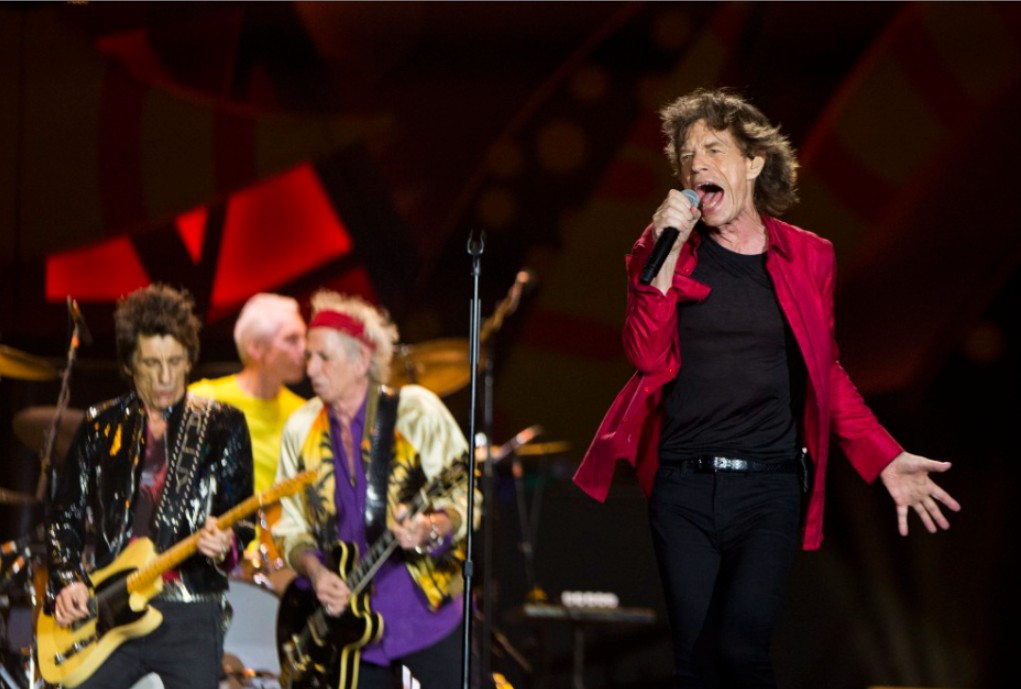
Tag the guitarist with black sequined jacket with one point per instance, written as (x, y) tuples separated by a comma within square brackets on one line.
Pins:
[(155, 463)]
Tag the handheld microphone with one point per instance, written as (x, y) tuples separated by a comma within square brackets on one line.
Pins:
[(663, 245)]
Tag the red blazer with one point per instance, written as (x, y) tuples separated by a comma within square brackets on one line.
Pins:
[(802, 268)]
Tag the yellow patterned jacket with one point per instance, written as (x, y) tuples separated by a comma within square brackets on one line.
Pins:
[(427, 439)]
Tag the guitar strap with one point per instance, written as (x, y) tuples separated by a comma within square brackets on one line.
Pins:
[(377, 459), (184, 463)]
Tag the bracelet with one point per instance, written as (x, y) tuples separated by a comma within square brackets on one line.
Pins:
[(434, 534), (434, 539)]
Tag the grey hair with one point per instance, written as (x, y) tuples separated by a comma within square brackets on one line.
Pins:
[(380, 331)]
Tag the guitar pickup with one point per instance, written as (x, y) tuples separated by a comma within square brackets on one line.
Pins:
[(76, 648)]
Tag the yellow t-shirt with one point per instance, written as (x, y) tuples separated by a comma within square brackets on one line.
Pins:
[(265, 419)]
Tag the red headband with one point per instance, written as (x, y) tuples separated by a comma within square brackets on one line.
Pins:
[(342, 322)]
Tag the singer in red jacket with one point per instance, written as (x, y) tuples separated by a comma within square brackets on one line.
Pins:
[(738, 390)]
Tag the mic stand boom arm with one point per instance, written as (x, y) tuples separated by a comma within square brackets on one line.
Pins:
[(46, 480)]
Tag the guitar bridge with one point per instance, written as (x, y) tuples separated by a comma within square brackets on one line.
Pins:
[(297, 662)]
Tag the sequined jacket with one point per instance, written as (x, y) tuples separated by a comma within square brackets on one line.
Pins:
[(91, 519)]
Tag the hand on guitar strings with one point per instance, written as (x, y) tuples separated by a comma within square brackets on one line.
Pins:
[(72, 604), (214, 543), (330, 589), (421, 532)]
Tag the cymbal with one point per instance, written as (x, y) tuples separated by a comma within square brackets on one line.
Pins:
[(534, 451), (17, 364), (31, 425), (9, 497), (551, 448), (439, 365)]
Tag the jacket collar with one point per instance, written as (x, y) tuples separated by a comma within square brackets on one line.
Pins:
[(778, 237), (171, 414)]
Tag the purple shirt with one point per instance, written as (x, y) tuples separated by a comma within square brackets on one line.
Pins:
[(408, 623)]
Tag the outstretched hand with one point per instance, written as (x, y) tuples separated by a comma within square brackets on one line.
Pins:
[(907, 480)]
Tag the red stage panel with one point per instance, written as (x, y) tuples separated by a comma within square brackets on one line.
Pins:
[(101, 273), (191, 228), (274, 233)]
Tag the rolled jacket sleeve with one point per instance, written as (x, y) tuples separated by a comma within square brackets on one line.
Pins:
[(291, 532)]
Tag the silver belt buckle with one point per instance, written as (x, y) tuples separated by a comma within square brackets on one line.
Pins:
[(730, 464)]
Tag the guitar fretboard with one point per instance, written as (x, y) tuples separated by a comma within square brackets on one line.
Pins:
[(144, 576), (383, 547)]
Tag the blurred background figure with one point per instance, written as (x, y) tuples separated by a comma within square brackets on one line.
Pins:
[(270, 337)]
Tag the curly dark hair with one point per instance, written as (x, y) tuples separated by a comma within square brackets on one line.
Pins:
[(155, 310), (776, 188)]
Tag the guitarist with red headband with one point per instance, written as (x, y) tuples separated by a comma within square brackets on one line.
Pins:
[(374, 448)]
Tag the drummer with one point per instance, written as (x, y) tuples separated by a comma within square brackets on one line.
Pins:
[(270, 338)]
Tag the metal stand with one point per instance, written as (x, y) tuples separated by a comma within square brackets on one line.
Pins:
[(506, 307), (527, 520), (7, 680), (25, 562), (488, 480), (475, 248), (47, 474)]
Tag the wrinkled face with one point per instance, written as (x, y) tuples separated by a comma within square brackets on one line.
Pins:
[(334, 372), (713, 164), (160, 370), (284, 354)]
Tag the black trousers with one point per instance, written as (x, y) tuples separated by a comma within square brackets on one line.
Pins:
[(186, 651), (725, 544), (436, 667)]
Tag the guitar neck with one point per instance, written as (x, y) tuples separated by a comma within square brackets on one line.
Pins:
[(367, 566), (144, 576), (319, 623), (381, 549)]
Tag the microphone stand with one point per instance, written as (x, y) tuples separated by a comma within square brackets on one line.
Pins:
[(64, 396), (506, 307), (475, 249), (482, 333), (526, 522), (46, 485), (487, 522)]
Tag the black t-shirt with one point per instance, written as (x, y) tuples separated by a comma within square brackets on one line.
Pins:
[(739, 365)]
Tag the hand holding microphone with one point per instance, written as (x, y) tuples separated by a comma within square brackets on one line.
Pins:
[(679, 212)]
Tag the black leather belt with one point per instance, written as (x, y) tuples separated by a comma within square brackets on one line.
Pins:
[(707, 464)]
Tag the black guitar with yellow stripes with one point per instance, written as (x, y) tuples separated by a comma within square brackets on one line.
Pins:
[(322, 651)]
